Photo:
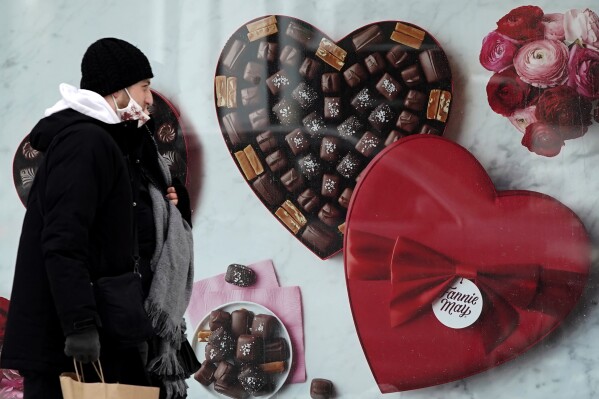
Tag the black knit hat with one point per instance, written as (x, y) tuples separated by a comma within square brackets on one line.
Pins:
[(110, 65)]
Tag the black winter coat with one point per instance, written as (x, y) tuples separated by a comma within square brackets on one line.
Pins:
[(77, 228)]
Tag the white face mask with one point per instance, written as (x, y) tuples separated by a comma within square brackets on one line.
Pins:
[(133, 111)]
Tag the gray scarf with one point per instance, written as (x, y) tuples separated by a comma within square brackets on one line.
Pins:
[(170, 292)]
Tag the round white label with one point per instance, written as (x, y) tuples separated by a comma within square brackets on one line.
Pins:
[(459, 305)]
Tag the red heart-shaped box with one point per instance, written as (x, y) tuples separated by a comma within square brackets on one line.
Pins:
[(528, 253)]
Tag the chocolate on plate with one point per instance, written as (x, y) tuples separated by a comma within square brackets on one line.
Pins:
[(312, 113)]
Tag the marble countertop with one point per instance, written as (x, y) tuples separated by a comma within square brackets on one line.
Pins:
[(42, 42)]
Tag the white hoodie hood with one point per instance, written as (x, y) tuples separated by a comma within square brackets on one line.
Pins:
[(87, 102)]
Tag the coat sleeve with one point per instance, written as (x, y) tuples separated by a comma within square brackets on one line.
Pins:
[(80, 172)]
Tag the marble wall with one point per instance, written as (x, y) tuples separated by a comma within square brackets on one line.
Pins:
[(41, 44)]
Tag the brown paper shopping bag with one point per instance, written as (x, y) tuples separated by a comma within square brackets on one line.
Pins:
[(74, 387)]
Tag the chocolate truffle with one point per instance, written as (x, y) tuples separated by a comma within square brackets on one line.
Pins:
[(233, 128), (367, 37), (276, 161), (310, 68), (259, 119), (305, 95), (298, 141), (253, 72), (374, 63), (300, 33), (345, 197), (223, 367), (329, 148), (230, 59), (355, 75), (251, 96), (368, 144), (381, 117), (308, 200), (240, 275), (219, 318), (388, 87), (412, 76), (250, 348), (415, 100), (331, 184), (314, 123), (351, 128), (318, 237), (363, 101), (278, 81), (286, 112), (321, 388), (290, 56), (265, 326), (268, 190), (398, 57), (332, 108), (331, 83), (276, 350), (266, 141), (222, 339), (407, 121), (252, 378), (229, 385), (267, 51), (241, 321), (205, 375), (292, 180), (434, 65), (329, 215), (213, 353), (349, 166), (310, 167)]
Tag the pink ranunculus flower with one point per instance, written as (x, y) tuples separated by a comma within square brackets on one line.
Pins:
[(521, 118), (542, 63), (583, 71), (554, 26), (582, 26), (497, 52), (11, 385)]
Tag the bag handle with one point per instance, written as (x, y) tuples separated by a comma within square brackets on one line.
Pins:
[(98, 368)]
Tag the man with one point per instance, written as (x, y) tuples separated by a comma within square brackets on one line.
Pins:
[(101, 177)]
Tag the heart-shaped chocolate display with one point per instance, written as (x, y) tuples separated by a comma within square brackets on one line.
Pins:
[(168, 135), (440, 221), (302, 115)]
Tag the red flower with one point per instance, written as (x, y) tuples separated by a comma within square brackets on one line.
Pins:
[(523, 23), (584, 71), (506, 92), (542, 139), (3, 313), (567, 111)]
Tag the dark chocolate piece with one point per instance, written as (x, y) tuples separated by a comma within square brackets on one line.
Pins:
[(308, 200), (398, 57), (213, 353), (363, 101), (268, 190), (318, 237), (388, 87), (221, 344), (253, 72), (219, 318), (292, 180), (267, 51), (233, 54), (229, 385), (290, 56), (223, 367), (287, 112), (367, 37), (276, 350), (276, 161), (332, 108), (407, 121), (331, 184), (310, 68), (382, 117), (329, 215), (241, 321), (427, 129), (252, 378), (278, 81), (351, 128), (205, 375), (240, 275), (355, 75), (331, 83), (345, 197), (259, 119), (305, 95), (251, 96), (233, 128), (349, 166), (412, 76), (368, 144), (415, 100), (299, 33), (265, 326), (394, 136), (329, 148), (321, 388), (374, 63), (314, 124), (298, 141), (267, 389), (266, 141), (434, 65), (310, 167), (250, 348)]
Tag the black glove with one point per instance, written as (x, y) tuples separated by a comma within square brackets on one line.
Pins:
[(84, 346)]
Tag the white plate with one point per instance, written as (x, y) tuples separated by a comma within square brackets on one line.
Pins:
[(199, 347)]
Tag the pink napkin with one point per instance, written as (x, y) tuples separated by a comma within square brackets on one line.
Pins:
[(285, 302)]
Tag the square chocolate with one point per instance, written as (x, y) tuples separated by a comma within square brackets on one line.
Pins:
[(278, 81), (355, 75), (331, 83), (298, 141), (305, 95), (253, 72), (388, 87), (415, 100), (330, 215), (310, 68), (435, 65), (349, 166), (292, 180), (329, 148), (407, 121), (364, 101), (276, 161), (290, 56), (382, 117), (308, 200), (332, 108), (310, 167), (286, 112), (265, 326), (367, 37), (393, 137), (398, 57), (233, 54), (368, 144), (300, 33), (351, 128), (427, 129), (412, 75), (331, 184), (234, 128), (345, 197), (375, 63), (314, 123), (318, 237), (268, 189), (252, 95), (250, 348), (259, 119), (267, 51), (266, 141)]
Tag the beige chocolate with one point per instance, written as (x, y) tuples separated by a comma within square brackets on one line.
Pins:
[(444, 103), (203, 335), (261, 23), (262, 32), (286, 218), (295, 213), (220, 86), (254, 160), (410, 31), (329, 58), (433, 104), (273, 367), (231, 92), (245, 165), (332, 48), (406, 39)]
